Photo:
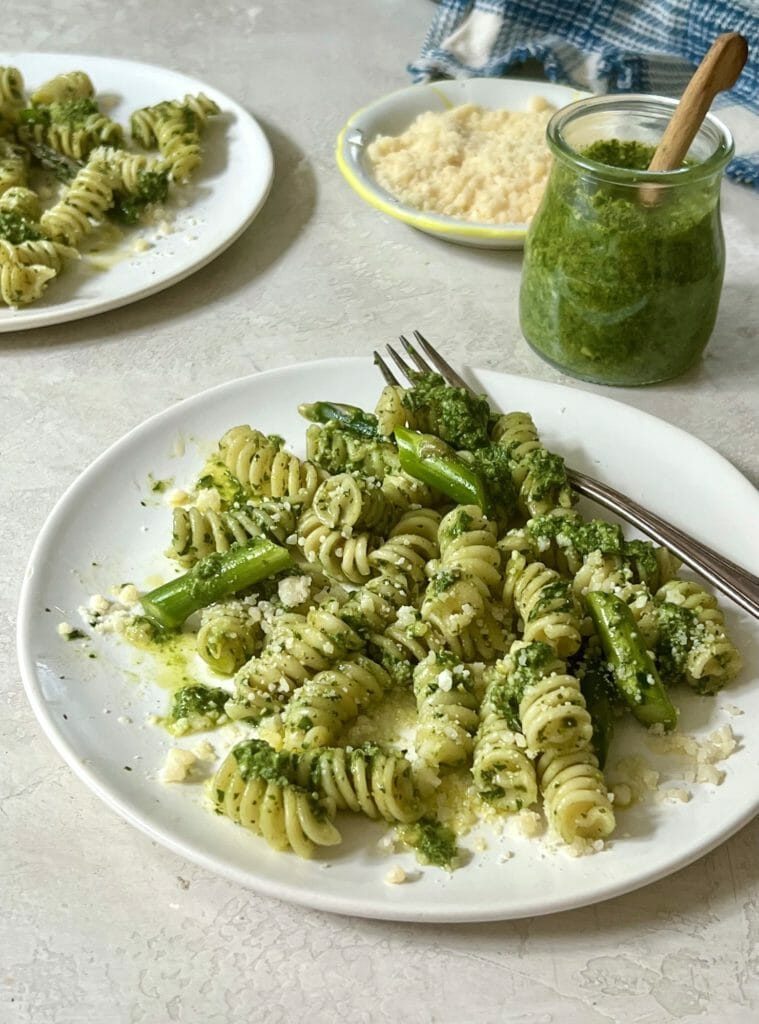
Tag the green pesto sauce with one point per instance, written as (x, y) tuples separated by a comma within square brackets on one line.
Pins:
[(338, 450), (398, 667), (615, 289), (494, 465), (257, 760), (580, 537), (552, 597), (152, 187), (433, 842), (548, 475), (505, 700), (442, 581), (601, 697), (631, 154), (216, 475), (159, 486), (196, 708), (73, 113), (676, 628), (75, 634), (459, 522), (15, 228), (455, 416)]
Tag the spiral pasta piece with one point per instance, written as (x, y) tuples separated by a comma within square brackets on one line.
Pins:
[(343, 558), (45, 253), (390, 410), (128, 169), (447, 710), (229, 635), (405, 492), (368, 780), (546, 539), (517, 432), (574, 793), (404, 643), (264, 468), (296, 648), (197, 534), (553, 713), (337, 450), (72, 136), (14, 167), (374, 605), (253, 787), (544, 603), (202, 106), (410, 546), (698, 648), (174, 127), (82, 207), (455, 607), (504, 775), (69, 85), (562, 539), (345, 500), (539, 475), (22, 201), (11, 85), (325, 704), (468, 543), (21, 283)]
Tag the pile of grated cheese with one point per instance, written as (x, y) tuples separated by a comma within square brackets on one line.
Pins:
[(480, 165)]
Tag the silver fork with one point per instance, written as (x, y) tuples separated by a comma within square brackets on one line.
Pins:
[(738, 584)]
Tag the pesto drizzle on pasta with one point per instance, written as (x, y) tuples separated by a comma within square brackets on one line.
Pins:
[(474, 626), (59, 131)]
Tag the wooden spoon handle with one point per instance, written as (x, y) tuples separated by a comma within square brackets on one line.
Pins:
[(718, 71)]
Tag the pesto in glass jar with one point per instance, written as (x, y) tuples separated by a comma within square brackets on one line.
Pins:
[(623, 268)]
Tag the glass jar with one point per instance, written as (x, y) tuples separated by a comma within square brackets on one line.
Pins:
[(623, 268)]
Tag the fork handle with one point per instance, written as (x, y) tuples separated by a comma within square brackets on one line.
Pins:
[(739, 585)]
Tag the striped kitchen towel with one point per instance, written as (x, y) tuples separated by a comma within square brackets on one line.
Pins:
[(602, 46)]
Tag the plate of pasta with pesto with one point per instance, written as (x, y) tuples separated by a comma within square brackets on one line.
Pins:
[(362, 648), (115, 179)]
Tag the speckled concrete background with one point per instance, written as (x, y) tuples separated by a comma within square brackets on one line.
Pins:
[(97, 923)]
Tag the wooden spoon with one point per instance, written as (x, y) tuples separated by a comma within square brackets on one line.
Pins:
[(718, 71)]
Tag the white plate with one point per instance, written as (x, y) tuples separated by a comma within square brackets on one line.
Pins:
[(100, 534), (237, 162), (393, 114)]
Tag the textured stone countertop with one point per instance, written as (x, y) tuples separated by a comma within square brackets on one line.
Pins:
[(98, 923)]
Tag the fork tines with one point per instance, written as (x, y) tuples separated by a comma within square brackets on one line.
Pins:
[(433, 363)]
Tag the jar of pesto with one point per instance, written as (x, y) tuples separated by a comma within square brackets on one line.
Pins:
[(622, 267)]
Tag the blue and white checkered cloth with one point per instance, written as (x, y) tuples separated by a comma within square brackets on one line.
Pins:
[(602, 46)]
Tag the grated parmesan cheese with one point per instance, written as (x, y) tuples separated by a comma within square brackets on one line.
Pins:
[(178, 765), (208, 500), (482, 165), (396, 875), (294, 590)]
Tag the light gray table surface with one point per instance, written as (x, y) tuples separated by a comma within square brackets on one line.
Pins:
[(98, 923)]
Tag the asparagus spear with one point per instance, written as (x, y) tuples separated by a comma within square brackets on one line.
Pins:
[(595, 689), (633, 670), (423, 456), (432, 461), (213, 578), (63, 167), (350, 417)]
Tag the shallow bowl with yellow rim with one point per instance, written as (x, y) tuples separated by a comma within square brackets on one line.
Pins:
[(394, 113)]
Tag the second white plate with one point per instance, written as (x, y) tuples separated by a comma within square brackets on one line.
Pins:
[(204, 217), (94, 709), (392, 115)]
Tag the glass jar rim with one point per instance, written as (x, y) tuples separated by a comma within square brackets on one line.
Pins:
[(639, 102)]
